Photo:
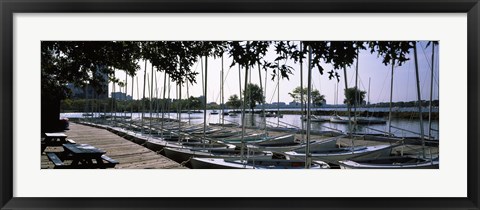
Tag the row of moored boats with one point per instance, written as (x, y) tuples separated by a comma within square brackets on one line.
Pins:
[(216, 147)]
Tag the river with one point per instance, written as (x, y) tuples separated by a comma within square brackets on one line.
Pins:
[(293, 120)]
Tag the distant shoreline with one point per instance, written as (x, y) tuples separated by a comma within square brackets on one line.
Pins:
[(361, 113)]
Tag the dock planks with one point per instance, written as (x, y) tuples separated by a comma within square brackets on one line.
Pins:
[(129, 154)]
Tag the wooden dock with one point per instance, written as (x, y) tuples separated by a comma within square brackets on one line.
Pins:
[(129, 155)]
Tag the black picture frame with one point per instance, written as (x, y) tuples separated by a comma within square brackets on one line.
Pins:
[(9, 7)]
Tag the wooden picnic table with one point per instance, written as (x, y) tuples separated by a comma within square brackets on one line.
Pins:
[(82, 156), (55, 139)]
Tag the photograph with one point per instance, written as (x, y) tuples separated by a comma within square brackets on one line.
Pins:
[(144, 104), (240, 104)]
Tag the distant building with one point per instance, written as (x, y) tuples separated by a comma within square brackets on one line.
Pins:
[(121, 96), (281, 104), (294, 104), (88, 92)]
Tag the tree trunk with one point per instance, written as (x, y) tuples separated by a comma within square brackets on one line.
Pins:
[(50, 114)]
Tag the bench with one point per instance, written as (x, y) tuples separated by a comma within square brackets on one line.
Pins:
[(110, 162), (70, 141), (109, 159), (55, 159)]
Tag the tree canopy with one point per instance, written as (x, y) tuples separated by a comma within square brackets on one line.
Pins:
[(80, 62), (194, 103), (317, 98), (234, 102), (253, 95), (350, 96)]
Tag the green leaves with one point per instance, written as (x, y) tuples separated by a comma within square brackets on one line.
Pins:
[(350, 96), (83, 62), (174, 58), (317, 98), (253, 94), (234, 102), (393, 52), (248, 53)]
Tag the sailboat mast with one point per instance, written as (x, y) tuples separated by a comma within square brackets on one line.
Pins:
[(151, 99), (356, 92), (113, 99), (368, 91), (159, 95), (301, 92), (309, 96), (250, 95), (242, 150), (131, 106), (138, 93), (431, 94), (222, 94), (143, 103), (264, 102), (336, 98), (126, 88), (278, 95), (419, 99), (188, 103), (164, 102), (263, 99), (180, 105), (205, 101), (85, 107), (391, 95), (240, 84), (348, 104)]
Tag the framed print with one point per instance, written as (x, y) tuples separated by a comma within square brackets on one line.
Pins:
[(323, 40)]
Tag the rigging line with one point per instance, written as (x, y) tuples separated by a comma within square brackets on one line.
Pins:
[(379, 96), (425, 55), (138, 93), (361, 83), (409, 67), (424, 80), (430, 66), (437, 72), (352, 77), (273, 94)]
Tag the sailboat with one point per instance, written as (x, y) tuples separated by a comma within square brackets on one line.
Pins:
[(315, 144), (338, 119), (358, 120), (420, 161), (183, 155), (218, 163), (315, 118), (267, 114), (338, 154), (335, 154), (392, 162)]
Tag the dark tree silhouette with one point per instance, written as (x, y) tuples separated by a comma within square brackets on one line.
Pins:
[(350, 96), (234, 102), (253, 95)]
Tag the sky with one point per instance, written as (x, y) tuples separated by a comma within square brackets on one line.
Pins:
[(369, 67)]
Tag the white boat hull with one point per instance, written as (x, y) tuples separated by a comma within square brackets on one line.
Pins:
[(184, 155), (217, 163), (390, 163), (335, 155)]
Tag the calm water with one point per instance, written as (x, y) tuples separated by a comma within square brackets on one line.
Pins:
[(291, 120)]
